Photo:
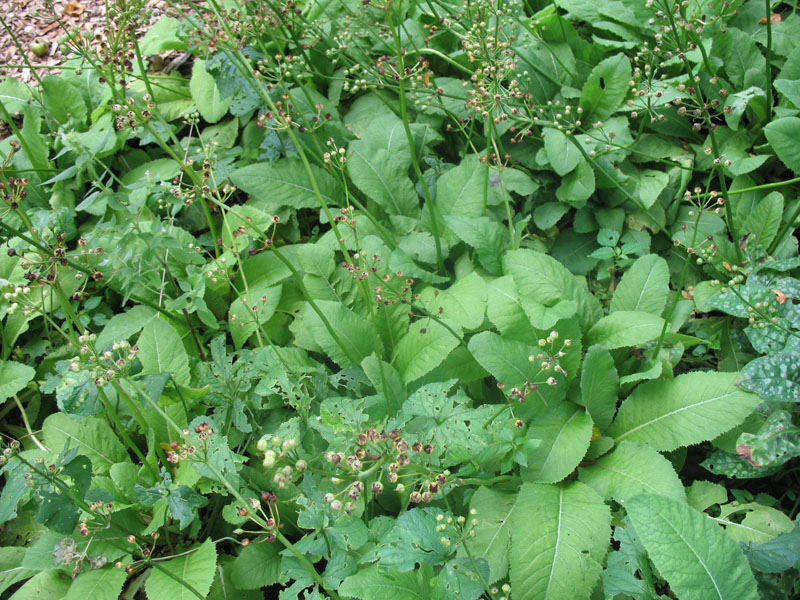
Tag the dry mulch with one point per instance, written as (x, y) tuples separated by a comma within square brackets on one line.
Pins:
[(34, 21)]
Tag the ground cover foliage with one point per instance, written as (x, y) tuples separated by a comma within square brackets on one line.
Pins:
[(405, 299)]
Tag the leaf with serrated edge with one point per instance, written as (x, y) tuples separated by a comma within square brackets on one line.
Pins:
[(643, 287), (196, 568), (493, 532), (690, 551), (631, 470), (559, 537), (565, 431), (692, 408), (375, 583)]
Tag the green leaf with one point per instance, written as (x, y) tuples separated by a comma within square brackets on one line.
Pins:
[(244, 320), (206, 95), (195, 568), (458, 580), (776, 555), (492, 537), (777, 441), (486, 235), (257, 565), (377, 583), (413, 540), (422, 349), (606, 88), (599, 386), (77, 395), (90, 436), (285, 183), (11, 569), (62, 99), (765, 219), (161, 37), (47, 585), (383, 180), (506, 359), (775, 378), (562, 154), (643, 287), (631, 470), (460, 191), (690, 551), (559, 538), (689, 409), (161, 351), (782, 134), (542, 278), (356, 334), (577, 186), (565, 432), (14, 377), (625, 328), (463, 303), (519, 318), (124, 325), (98, 584)]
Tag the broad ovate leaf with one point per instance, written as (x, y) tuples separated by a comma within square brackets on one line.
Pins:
[(698, 559), (782, 134), (14, 376), (565, 432), (599, 386), (196, 568), (643, 287), (689, 409), (161, 350), (492, 537), (631, 470), (559, 538), (625, 328)]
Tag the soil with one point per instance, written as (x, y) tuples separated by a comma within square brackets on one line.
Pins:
[(38, 25)]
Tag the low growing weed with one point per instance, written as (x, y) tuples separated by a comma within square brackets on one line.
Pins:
[(400, 299)]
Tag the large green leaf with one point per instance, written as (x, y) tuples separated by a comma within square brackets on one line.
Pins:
[(376, 583), (463, 303), (161, 351), (507, 360), (631, 470), (625, 328), (14, 376), (251, 310), (286, 183), (565, 432), (422, 349), (559, 538), (90, 436), (47, 585), (606, 88), (765, 218), (542, 278), (356, 336), (561, 153), (11, 569), (195, 568), (62, 99), (782, 134), (206, 95), (599, 386), (384, 181), (492, 537), (518, 318), (690, 551), (98, 584), (257, 565), (486, 235), (692, 408), (460, 191), (123, 325), (643, 287)]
